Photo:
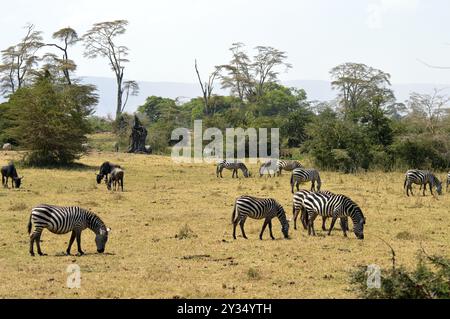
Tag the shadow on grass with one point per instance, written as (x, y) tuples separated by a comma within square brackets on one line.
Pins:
[(85, 255), (79, 167)]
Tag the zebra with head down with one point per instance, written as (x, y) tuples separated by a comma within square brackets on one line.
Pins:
[(232, 166), (422, 178)]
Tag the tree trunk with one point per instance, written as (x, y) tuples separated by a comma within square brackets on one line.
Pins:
[(138, 138)]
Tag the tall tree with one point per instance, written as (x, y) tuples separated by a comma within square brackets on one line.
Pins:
[(18, 61), (68, 37), (207, 88), (100, 41), (357, 83)]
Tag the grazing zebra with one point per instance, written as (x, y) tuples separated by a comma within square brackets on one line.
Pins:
[(302, 175), (116, 179), (258, 208), (298, 206), (335, 206), (105, 170), (422, 178), (11, 172), (62, 220), (232, 166), (269, 167), (287, 166)]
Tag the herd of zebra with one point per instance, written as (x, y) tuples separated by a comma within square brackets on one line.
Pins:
[(309, 204), (306, 204)]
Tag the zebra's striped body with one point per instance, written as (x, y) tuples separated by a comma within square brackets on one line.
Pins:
[(232, 166), (448, 180), (116, 179), (62, 220), (335, 206), (287, 166), (303, 175), (259, 208), (299, 207), (269, 167), (422, 178)]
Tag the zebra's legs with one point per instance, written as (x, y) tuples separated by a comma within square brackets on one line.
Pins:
[(311, 230), (32, 239), (38, 244), (270, 228), (121, 184), (235, 223), (295, 216), (72, 239), (304, 217), (431, 189), (78, 235), (333, 222), (324, 223), (266, 222), (242, 223)]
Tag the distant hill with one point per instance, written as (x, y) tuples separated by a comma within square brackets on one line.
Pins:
[(316, 90)]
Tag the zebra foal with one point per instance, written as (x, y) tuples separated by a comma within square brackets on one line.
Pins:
[(259, 208), (303, 175), (62, 220), (335, 206), (422, 178)]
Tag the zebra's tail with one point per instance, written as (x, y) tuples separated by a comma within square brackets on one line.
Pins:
[(29, 225), (233, 216)]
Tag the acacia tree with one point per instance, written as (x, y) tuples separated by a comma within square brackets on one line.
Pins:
[(357, 83), (99, 41), (18, 61), (247, 77), (207, 88), (68, 37)]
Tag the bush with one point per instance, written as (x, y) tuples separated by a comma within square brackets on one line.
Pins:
[(430, 280)]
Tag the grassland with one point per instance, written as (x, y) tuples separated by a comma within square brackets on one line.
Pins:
[(171, 234)]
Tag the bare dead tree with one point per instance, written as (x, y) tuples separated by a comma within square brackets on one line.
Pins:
[(207, 87)]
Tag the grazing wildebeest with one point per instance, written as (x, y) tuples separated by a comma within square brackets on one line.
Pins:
[(11, 172), (105, 170), (62, 220), (7, 147), (116, 179)]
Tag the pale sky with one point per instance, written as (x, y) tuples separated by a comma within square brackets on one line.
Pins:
[(166, 36)]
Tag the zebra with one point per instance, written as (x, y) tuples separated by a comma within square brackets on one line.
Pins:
[(105, 170), (62, 220), (422, 178), (269, 167), (232, 166), (259, 208), (298, 206), (287, 166), (335, 206), (448, 181), (116, 179), (11, 172), (302, 175)]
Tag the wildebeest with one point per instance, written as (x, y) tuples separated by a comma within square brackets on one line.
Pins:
[(105, 170), (11, 172), (116, 179), (7, 147)]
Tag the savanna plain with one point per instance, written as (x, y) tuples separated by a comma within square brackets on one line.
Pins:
[(172, 234)]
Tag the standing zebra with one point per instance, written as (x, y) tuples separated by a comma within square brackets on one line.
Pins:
[(422, 178), (62, 220), (448, 180), (269, 167), (232, 166), (335, 206), (298, 206), (287, 166), (259, 208), (303, 175)]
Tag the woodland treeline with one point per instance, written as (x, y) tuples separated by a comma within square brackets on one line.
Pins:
[(364, 127)]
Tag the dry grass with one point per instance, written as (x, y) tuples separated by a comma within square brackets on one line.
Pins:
[(164, 201)]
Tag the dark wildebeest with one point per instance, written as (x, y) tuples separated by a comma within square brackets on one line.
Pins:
[(105, 170), (116, 179), (11, 172)]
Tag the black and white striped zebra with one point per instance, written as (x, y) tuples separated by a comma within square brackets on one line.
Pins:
[(299, 208), (62, 220), (335, 206), (232, 166), (269, 168), (422, 178), (448, 181), (287, 166), (259, 208), (303, 175)]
